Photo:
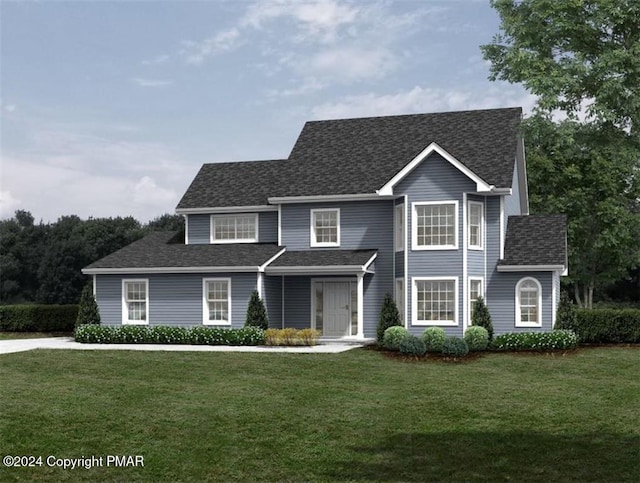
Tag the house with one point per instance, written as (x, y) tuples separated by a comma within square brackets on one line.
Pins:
[(431, 208)]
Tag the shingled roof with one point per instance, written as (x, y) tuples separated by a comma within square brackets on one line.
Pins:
[(358, 156), (167, 250), (535, 240)]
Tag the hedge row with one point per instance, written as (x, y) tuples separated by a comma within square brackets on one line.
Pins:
[(540, 341), (608, 326), (161, 334), (38, 318)]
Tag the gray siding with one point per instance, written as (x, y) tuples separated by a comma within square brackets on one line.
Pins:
[(512, 201), (399, 260), (199, 229), (272, 297), (492, 216), (297, 302), (174, 299), (268, 227)]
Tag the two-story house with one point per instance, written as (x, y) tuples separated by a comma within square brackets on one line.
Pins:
[(431, 208)]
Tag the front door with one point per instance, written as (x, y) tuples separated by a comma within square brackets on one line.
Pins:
[(336, 318)]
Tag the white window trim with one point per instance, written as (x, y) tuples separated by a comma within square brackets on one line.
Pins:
[(414, 303), (481, 234), (481, 293), (234, 240), (414, 226), (312, 233), (205, 302), (125, 308), (398, 235), (518, 322)]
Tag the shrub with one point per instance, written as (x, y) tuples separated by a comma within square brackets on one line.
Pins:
[(309, 336), (605, 326), (454, 347), (566, 316), (541, 341), (477, 338), (412, 346), (389, 317), (38, 318), (482, 317), (393, 337), (433, 338), (256, 313), (283, 337), (164, 334), (88, 308)]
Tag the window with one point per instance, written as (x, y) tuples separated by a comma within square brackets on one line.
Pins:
[(476, 222), (135, 302), (234, 228), (400, 297), (216, 301), (325, 228), (475, 291), (399, 228), (435, 301), (435, 226), (528, 303)]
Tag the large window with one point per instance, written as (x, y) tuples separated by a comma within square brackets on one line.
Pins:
[(435, 226), (399, 228), (475, 222), (325, 228), (135, 301), (234, 228), (528, 303), (435, 301), (475, 291), (217, 301)]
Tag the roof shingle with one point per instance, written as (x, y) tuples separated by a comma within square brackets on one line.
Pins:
[(536, 240)]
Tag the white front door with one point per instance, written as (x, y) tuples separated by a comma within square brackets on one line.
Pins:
[(336, 319)]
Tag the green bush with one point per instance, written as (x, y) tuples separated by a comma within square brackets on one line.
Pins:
[(256, 313), (605, 326), (482, 317), (88, 309), (412, 346), (477, 338), (566, 316), (393, 337), (433, 338), (541, 341), (454, 347), (143, 334), (389, 317), (38, 318)]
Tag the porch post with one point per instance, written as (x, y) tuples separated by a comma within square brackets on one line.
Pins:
[(259, 284), (360, 302)]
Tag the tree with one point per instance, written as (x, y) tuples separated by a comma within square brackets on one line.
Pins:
[(256, 313), (481, 316), (389, 317), (572, 52), (166, 222), (88, 309), (566, 316)]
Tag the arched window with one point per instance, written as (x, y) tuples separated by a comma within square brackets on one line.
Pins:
[(528, 303)]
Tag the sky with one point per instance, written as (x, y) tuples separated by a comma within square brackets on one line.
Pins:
[(109, 108)]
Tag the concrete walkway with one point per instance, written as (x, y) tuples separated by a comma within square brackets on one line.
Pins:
[(21, 345)]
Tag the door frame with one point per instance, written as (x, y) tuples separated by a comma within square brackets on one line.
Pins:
[(349, 280)]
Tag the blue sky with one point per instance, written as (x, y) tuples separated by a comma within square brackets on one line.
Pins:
[(110, 108)]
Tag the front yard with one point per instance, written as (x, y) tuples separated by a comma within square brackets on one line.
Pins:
[(355, 416)]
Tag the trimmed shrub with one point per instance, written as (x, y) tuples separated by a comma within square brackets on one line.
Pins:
[(433, 338), (454, 347), (605, 326), (393, 337), (412, 346), (38, 318), (256, 313), (88, 308), (538, 341), (482, 317), (389, 317), (477, 338), (164, 334), (566, 316)]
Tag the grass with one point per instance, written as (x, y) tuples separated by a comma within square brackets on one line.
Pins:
[(32, 335), (355, 416)]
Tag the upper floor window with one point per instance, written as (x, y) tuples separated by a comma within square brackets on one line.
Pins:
[(217, 301), (325, 228), (135, 301), (476, 222), (234, 228), (435, 225), (528, 303), (434, 301), (399, 227)]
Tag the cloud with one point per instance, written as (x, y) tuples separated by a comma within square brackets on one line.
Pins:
[(8, 204), (151, 82), (224, 41), (147, 192), (158, 59)]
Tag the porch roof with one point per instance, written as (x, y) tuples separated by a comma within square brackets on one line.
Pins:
[(325, 262)]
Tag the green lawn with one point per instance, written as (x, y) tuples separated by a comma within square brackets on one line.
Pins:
[(356, 416), (32, 335)]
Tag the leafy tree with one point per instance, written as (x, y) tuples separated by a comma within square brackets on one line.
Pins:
[(166, 222), (481, 316), (566, 316), (88, 309), (572, 52), (389, 317), (256, 313)]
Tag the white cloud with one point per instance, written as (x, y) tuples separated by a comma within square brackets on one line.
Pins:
[(151, 82), (224, 41), (158, 59), (348, 64), (10, 107), (147, 192), (8, 204)]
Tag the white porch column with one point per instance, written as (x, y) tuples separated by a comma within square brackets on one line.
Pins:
[(360, 303), (259, 284)]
